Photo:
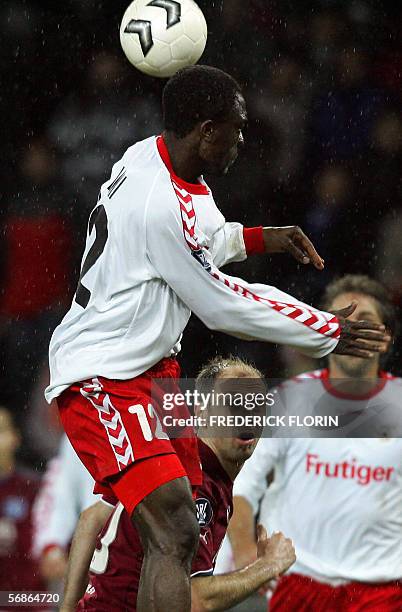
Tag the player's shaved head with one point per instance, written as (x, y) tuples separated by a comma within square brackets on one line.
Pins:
[(196, 94), (204, 115), (227, 379), (224, 367)]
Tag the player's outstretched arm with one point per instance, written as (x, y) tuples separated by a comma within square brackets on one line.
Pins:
[(82, 548), (213, 593), (228, 304), (233, 242), (224, 303)]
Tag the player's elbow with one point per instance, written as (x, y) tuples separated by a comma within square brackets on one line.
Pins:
[(201, 600), (197, 606), (95, 516), (211, 320), (221, 321), (201, 606), (87, 516), (204, 605)]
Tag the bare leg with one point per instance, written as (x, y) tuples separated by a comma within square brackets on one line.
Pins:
[(168, 528)]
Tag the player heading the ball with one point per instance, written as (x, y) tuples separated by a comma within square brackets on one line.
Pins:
[(155, 246)]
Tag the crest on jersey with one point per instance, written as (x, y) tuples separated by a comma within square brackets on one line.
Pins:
[(15, 507), (199, 255), (204, 511)]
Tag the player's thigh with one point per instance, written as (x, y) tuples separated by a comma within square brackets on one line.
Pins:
[(117, 433), (166, 519), (111, 426), (144, 476)]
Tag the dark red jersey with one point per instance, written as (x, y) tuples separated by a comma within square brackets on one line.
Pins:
[(116, 564), (18, 570)]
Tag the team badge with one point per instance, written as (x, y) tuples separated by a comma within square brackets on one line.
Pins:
[(204, 511), (201, 258), (15, 508)]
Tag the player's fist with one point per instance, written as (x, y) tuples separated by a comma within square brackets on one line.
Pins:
[(277, 552)]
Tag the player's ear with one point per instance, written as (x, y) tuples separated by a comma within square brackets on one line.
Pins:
[(207, 130)]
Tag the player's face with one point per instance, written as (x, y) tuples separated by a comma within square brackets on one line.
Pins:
[(220, 150), (367, 310), (241, 446), (238, 450)]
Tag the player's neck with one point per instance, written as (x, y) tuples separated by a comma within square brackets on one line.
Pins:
[(185, 162), (231, 468), (353, 381)]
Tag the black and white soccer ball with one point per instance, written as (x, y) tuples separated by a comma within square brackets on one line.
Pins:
[(161, 36)]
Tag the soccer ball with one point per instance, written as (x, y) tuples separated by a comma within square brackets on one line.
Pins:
[(161, 36)]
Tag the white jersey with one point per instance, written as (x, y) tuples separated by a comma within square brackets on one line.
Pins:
[(153, 251), (376, 412), (66, 491), (340, 500)]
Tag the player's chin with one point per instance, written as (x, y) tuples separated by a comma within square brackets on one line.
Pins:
[(223, 168), (219, 170), (355, 366), (230, 164)]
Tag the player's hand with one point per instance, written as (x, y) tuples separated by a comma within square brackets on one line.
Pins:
[(277, 552), (360, 338), (291, 239)]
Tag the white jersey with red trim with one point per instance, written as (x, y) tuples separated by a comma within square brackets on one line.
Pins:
[(153, 251), (313, 406), (340, 500)]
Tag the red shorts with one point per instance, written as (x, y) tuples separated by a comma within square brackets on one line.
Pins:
[(115, 429), (296, 593)]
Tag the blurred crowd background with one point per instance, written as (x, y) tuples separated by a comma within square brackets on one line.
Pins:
[(322, 80)]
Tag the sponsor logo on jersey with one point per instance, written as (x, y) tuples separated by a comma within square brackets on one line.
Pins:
[(348, 470)]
